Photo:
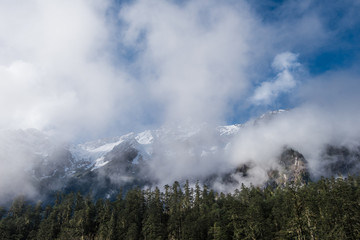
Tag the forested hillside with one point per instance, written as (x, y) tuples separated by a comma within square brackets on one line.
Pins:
[(327, 209)]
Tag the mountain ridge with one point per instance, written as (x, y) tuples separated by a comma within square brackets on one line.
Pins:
[(158, 157)]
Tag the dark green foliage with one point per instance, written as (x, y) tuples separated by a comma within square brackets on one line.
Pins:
[(327, 209)]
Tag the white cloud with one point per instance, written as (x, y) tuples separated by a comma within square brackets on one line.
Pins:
[(285, 61), (307, 129), (54, 68), (286, 64), (194, 56)]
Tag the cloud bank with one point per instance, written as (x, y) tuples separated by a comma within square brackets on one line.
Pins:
[(108, 68), (194, 57), (54, 68)]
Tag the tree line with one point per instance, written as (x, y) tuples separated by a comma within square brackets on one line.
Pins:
[(326, 209)]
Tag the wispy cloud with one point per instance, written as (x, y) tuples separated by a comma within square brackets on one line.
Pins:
[(285, 64)]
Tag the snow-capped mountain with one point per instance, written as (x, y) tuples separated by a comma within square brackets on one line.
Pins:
[(95, 154), (102, 166), (152, 157)]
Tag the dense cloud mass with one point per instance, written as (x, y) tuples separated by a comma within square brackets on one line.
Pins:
[(54, 75), (81, 70), (194, 57), (153, 62)]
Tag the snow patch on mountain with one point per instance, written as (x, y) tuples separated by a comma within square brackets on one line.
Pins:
[(105, 148), (229, 129), (145, 137), (100, 162)]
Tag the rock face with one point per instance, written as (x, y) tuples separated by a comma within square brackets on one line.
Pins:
[(119, 168), (293, 169)]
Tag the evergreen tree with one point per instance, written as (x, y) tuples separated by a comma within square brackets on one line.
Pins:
[(134, 211), (154, 224), (175, 221)]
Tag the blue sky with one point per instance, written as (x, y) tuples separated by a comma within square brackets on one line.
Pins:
[(103, 68), (338, 51)]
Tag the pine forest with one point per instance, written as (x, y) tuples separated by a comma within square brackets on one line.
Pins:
[(326, 209)]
